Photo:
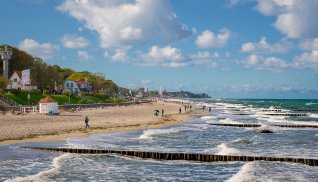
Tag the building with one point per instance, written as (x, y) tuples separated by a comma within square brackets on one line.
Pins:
[(85, 86), (15, 82), (71, 86), (48, 106), (76, 87)]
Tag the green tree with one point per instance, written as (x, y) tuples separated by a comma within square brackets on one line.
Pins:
[(80, 76), (19, 61), (3, 83)]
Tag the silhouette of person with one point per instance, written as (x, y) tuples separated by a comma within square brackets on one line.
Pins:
[(86, 122)]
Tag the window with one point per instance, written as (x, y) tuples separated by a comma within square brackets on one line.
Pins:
[(15, 80), (67, 85), (71, 84)]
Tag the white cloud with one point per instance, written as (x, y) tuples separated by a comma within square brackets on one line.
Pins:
[(84, 55), (45, 51), (123, 23), (209, 39), (265, 63), (263, 47), (295, 19), (205, 55), (120, 55), (307, 60), (309, 44), (73, 41), (164, 56), (235, 2)]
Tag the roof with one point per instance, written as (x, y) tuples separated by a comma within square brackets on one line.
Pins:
[(19, 73), (82, 83), (47, 100)]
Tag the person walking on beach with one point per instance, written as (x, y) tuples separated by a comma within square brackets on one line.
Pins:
[(86, 122), (162, 112), (209, 109), (180, 110), (203, 108)]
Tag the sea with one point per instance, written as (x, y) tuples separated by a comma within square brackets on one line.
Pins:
[(194, 136)]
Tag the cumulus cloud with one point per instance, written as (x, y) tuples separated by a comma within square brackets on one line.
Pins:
[(307, 60), (73, 41), (120, 55), (84, 55), (263, 47), (164, 56), (294, 19), (205, 55), (209, 39), (128, 22), (265, 63), (45, 51), (309, 44)]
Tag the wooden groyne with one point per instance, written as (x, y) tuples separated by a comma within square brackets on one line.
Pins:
[(252, 125), (182, 156), (248, 125), (286, 114)]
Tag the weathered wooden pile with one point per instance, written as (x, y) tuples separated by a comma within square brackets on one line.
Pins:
[(182, 156)]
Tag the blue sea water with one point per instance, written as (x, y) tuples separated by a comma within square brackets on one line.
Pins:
[(194, 136)]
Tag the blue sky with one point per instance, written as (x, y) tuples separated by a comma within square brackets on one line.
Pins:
[(226, 48)]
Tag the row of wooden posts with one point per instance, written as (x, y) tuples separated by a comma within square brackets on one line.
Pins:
[(182, 156), (251, 125)]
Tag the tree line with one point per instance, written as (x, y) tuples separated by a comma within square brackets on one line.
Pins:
[(46, 76)]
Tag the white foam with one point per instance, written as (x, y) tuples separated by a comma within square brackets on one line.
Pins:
[(207, 117), (244, 174), (230, 121), (310, 103), (313, 115), (225, 150), (42, 176), (148, 134)]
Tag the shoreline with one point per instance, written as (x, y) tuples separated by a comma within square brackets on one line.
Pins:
[(171, 118)]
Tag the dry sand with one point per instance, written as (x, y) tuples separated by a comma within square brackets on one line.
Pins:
[(34, 127)]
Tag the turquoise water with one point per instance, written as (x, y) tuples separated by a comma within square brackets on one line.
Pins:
[(195, 136)]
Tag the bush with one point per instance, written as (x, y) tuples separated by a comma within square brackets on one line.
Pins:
[(2, 108), (83, 93), (101, 95), (2, 91), (46, 92), (83, 101), (15, 91), (33, 91), (67, 93)]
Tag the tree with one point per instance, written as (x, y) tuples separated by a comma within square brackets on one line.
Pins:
[(19, 61), (80, 76), (3, 83), (39, 72), (99, 81)]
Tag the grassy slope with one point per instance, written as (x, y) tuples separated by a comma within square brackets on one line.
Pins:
[(22, 98)]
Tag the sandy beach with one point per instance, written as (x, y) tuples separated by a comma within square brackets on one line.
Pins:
[(35, 127)]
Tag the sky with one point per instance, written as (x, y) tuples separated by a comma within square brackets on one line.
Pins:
[(225, 48)]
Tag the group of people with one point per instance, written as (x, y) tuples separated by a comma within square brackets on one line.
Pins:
[(156, 113), (203, 108)]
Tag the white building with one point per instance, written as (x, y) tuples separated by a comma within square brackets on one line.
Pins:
[(15, 82), (71, 86), (48, 106)]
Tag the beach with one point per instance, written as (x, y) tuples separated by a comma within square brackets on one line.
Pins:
[(35, 127)]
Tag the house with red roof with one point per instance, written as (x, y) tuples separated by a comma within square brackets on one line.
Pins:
[(48, 106)]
